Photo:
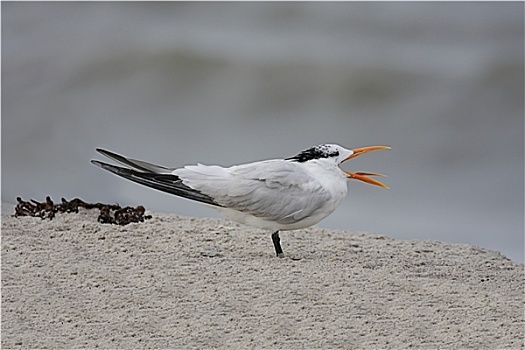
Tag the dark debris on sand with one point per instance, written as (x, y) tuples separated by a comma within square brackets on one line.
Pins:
[(109, 213)]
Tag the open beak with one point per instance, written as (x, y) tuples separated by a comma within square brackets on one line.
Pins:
[(363, 150), (364, 176), (360, 175)]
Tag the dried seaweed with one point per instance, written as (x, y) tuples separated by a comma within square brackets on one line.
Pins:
[(109, 213)]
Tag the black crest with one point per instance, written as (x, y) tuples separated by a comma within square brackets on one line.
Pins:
[(317, 152)]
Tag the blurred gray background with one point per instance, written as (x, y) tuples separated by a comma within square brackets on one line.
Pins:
[(228, 83)]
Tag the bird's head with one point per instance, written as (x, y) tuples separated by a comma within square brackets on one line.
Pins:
[(339, 155)]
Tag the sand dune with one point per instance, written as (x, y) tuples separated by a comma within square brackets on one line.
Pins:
[(177, 282)]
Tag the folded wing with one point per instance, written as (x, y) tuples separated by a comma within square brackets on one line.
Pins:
[(154, 176), (273, 190)]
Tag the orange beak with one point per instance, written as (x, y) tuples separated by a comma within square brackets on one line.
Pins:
[(363, 176)]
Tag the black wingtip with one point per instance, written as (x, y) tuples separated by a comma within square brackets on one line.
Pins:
[(101, 164), (163, 182), (128, 162), (106, 152), (112, 168)]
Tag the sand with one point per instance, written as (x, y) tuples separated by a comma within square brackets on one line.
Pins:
[(176, 282)]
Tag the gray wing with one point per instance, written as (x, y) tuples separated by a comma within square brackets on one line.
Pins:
[(274, 190), (135, 163), (154, 176)]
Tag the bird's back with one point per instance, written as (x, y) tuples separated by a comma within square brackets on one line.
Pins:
[(272, 194)]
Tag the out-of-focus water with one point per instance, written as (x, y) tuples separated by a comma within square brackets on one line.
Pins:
[(228, 83)]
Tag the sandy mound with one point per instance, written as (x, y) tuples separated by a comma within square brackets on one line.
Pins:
[(174, 282)]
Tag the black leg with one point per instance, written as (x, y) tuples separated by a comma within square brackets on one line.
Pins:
[(277, 244)]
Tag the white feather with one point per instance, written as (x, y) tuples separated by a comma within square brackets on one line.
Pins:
[(273, 194)]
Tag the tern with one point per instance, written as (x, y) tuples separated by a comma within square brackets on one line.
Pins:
[(277, 194)]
